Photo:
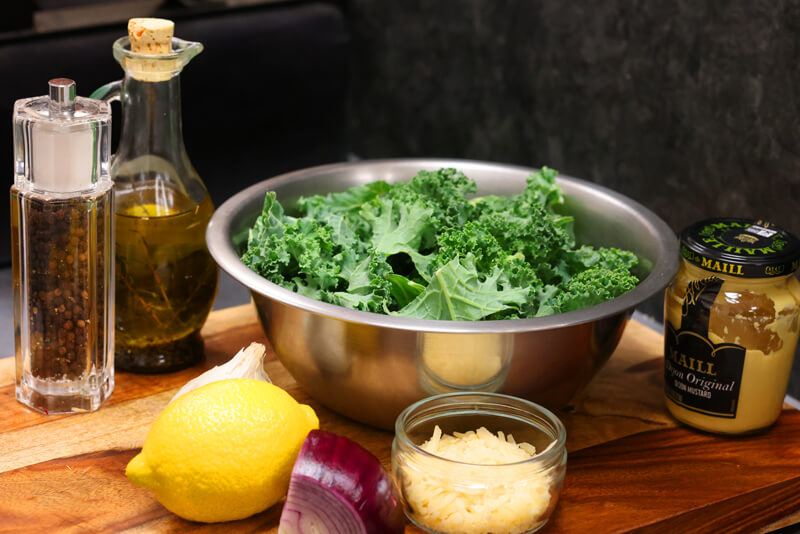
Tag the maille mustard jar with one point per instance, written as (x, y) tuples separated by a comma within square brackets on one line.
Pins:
[(731, 325)]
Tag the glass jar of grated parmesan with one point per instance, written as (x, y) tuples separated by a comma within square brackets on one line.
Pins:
[(475, 463)]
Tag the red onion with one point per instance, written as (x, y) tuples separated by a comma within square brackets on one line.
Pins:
[(338, 487)]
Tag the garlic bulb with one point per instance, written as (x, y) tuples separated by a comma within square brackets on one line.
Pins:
[(247, 363)]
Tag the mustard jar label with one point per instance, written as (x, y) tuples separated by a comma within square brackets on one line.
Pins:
[(701, 375)]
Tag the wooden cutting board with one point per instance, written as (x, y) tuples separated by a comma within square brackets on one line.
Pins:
[(630, 467)]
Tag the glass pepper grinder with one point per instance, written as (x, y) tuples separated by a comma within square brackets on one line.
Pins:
[(166, 280), (62, 260)]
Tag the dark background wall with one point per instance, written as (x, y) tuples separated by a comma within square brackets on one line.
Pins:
[(691, 108), (266, 96), (688, 107)]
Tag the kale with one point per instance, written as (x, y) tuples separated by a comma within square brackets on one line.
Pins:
[(424, 249)]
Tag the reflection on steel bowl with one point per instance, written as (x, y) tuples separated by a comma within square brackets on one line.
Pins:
[(370, 367)]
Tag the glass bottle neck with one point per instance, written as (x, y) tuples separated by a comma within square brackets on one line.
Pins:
[(151, 119)]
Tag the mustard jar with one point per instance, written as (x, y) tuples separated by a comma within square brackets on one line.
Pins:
[(731, 325)]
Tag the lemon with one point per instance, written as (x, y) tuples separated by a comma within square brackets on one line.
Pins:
[(223, 451)]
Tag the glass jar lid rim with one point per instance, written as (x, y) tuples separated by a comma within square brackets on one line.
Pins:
[(471, 401), (748, 248)]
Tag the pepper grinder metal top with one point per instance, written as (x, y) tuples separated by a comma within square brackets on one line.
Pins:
[(62, 95)]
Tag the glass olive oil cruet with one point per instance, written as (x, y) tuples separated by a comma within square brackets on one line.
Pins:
[(166, 280)]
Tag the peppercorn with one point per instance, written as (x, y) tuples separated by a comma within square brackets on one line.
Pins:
[(60, 269)]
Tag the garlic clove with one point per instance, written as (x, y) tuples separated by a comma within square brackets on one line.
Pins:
[(247, 363)]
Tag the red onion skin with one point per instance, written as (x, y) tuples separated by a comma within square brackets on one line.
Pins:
[(354, 475)]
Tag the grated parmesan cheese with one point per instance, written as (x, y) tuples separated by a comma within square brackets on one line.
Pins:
[(474, 499)]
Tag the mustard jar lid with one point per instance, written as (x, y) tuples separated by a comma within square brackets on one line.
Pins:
[(746, 248)]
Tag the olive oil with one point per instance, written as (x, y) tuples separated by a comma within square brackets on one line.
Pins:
[(166, 280)]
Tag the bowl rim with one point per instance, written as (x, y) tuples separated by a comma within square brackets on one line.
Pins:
[(221, 249)]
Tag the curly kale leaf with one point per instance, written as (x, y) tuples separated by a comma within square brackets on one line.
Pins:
[(587, 257), (488, 256), (457, 292), (400, 228), (444, 192), (265, 253), (404, 290), (587, 288), (425, 249), (542, 189), (298, 254), (319, 207), (342, 212), (368, 286), (471, 238)]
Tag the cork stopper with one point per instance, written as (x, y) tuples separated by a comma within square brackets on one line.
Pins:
[(150, 36)]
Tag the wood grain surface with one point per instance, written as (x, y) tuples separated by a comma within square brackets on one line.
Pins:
[(630, 467), (676, 480)]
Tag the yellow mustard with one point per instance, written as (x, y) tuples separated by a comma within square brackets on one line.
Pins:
[(731, 325)]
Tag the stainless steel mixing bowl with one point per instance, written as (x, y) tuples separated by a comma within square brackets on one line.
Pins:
[(370, 367)]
